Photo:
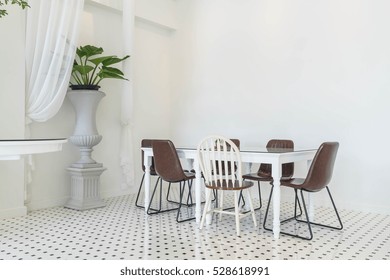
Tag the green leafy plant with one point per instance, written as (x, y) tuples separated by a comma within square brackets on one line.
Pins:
[(21, 3), (89, 69)]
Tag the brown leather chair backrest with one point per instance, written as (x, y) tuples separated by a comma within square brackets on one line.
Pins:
[(321, 169), (237, 143), (166, 161), (287, 168)]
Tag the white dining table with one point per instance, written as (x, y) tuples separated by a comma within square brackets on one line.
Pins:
[(13, 149), (275, 157)]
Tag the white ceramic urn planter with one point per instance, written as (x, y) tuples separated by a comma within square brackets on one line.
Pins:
[(85, 135), (85, 173)]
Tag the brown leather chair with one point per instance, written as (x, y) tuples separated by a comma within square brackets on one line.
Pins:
[(265, 170), (145, 143), (168, 167), (318, 178)]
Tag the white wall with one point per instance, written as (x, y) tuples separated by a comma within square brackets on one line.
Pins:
[(154, 29), (311, 72), (12, 109)]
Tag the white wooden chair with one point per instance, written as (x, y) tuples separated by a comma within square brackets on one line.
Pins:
[(216, 154)]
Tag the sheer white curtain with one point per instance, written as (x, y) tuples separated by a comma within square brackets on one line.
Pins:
[(126, 152), (51, 40)]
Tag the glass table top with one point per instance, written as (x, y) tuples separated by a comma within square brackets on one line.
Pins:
[(263, 149), (31, 139)]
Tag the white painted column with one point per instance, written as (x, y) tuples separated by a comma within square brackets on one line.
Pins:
[(126, 148)]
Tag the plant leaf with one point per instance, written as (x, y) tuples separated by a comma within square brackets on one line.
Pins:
[(88, 51), (89, 67), (83, 70), (112, 70), (80, 52), (99, 60), (114, 60), (111, 73)]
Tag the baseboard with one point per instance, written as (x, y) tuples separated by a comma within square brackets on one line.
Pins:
[(13, 212), (49, 203), (46, 203), (116, 193)]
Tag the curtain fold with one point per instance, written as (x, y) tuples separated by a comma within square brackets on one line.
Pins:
[(126, 145), (51, 41), (52, 28)]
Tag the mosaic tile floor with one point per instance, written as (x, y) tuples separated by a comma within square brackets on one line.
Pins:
[(122, 231)]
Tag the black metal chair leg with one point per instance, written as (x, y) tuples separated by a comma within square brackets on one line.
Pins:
[(296, 203), (139, 191), (307, 221), (287, 233), (337, 214), (189, 198), (241, 196), (286, 220), (335, 210), (152, 211), (168, 191), (150, 202), (260, 200), (181, 199), (266, 211)]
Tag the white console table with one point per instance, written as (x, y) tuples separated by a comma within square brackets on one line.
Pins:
[(13, 149)]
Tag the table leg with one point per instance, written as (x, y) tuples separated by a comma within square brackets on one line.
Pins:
[(276, 174), (147, 163), (248, 167), (248, 170), (198, 190), (310, 198)]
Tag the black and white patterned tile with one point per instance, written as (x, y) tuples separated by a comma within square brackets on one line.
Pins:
[(122, 231)]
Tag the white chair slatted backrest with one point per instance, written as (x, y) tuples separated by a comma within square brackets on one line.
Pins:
[(218, 157)]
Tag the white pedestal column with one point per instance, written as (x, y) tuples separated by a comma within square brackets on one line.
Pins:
[(85, 188), (85, 173)]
